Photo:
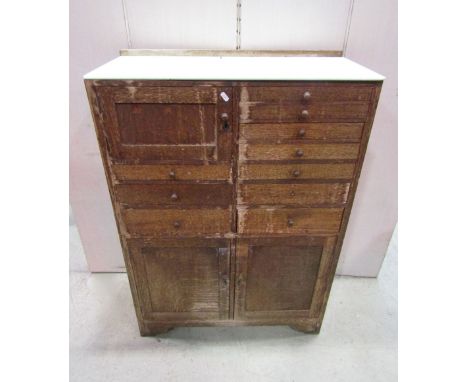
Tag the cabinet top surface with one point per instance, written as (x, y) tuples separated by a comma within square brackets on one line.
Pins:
[(233, 68)]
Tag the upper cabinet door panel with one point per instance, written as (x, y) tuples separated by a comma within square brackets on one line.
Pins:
[(168, 123)]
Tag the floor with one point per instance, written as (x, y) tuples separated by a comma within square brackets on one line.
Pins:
[(358, 341)]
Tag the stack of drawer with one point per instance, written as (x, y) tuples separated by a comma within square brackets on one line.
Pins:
[(174, 200), (298, 146)]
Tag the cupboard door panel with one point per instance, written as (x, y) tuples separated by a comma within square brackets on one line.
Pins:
[(282, 278), (167, 123), (188, 279)]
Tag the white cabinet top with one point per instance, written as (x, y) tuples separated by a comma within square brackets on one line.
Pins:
[(233, 68)]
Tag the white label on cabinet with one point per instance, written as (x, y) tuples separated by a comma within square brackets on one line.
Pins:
[(224, 96)]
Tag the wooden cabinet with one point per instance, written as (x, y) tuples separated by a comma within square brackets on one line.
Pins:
[(231, 197)]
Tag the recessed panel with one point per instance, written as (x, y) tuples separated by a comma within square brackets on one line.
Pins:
[(182, 279), (281, 278), (166, 124)]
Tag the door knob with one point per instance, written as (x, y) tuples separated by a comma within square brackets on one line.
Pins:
[(225, 119)]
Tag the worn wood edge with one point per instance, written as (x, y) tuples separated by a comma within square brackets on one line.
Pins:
[(231, 52), (352, 192), (96, 113)]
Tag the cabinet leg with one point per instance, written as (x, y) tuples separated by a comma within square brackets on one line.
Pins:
[(155, 330), (306, 327)]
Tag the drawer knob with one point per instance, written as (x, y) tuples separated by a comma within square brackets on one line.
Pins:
[(172, 174), (307, 96), (290, 222), (305, 114), (299, 153), (296, 173), (174, 196), (301, 132), (176, 224)]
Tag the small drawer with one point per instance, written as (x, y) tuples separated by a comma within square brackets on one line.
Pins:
[(301, 194), (172, 222), (301, 131), (289, 220), (307, 93), (253, 112), (123, 172), (219, 195), (296, 171), (300, 151)]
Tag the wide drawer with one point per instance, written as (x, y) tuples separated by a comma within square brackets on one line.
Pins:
[(298, 151), (312, 193), (253, 112), (180, 222), (299, 131), (296, 171), (174, 194), (305, 93), (171, 172), (289, 220)]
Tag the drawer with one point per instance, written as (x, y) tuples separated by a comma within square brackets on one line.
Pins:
[(299, 131), (289, 220), (299, 151), (306, 93), (174, 194), (252, 112), (296, 171), (312, 193), (171, 172), (172, 222)]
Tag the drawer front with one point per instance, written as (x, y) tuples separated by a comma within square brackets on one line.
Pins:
[(124, 172), (171, 222), (252, 112), (289, 220), (316, 193), (296, 171), (299, 131), (219, 195), (306, 93), (299, 151)]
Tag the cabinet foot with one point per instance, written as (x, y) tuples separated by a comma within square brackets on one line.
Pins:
[(309, 328), (155, 330)]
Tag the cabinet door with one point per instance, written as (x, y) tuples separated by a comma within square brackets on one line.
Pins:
[(282, 278), (185, 279), (143, 122)]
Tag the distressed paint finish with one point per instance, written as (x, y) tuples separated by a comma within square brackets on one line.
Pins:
[(203, 213)]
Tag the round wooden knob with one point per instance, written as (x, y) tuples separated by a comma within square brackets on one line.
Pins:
[(290, 222), (224, 117), (299, 153), (296, 173), (174, 196), (301, 132), (176, 224), (305, 114), (172, 174), (307, 96)]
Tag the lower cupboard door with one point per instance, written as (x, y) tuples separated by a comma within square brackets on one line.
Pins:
[(282, 278), (186, 279)]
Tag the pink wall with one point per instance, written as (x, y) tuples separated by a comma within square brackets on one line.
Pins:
[(99, 29)]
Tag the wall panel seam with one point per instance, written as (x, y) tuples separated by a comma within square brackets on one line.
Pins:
[(127, 27), (348, 27)]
